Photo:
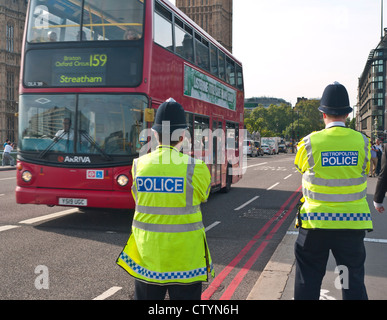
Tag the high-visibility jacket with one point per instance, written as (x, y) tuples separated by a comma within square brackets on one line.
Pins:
[(168, 242), (335, 165)]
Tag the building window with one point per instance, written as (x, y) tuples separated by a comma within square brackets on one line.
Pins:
[(10, 123), (364, 124), (9, 37), (10, 86)]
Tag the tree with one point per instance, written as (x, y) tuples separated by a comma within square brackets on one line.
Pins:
[(350, 123), (271, 121), (282, 120)]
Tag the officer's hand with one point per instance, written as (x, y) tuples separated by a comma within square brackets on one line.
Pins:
[(380, 209)]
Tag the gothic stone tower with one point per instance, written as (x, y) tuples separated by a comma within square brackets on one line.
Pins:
[(12, 17), (214, 16)]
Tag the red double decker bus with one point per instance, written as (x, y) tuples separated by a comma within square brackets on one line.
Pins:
[(93, 73)]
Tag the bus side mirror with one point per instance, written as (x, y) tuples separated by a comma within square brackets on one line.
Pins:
[(149, 115)]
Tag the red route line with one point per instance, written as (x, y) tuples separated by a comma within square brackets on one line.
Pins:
[(215, 284), (246, 268)]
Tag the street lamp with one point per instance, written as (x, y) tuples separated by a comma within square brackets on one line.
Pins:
[(292, 130)]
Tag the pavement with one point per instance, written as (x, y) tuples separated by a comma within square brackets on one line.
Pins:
[(276, 282), (7, 168)]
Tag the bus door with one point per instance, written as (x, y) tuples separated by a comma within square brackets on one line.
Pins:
[(216, 152)]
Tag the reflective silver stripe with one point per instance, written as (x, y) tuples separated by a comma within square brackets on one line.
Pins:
[(168, 211), (309, 152), (209, 188), (134, 179), (334, 182), (189, 189), (135, 168), (334, 197), (168, 228), (366, 142)]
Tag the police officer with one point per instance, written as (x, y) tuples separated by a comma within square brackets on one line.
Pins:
[(381, 185), (334, 163), (167, 249)]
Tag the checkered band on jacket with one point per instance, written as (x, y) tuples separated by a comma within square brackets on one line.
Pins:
[(153, 275)]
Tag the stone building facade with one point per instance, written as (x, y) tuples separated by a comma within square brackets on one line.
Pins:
[(371, 117), (12, 18), (214, 16)]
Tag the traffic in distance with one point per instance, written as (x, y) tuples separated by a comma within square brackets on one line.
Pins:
[(266, 145)]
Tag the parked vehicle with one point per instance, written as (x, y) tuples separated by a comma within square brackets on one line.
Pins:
[(258, 147), (249, 148), (273, 142), (282, 148), (266, 149)]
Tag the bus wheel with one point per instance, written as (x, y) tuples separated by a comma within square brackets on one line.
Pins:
[(227, 188)]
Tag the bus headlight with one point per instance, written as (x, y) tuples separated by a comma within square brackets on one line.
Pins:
[(122, 180), (26, 176)]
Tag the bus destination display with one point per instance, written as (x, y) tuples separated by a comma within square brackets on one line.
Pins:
[(91, 67), (81, 69)]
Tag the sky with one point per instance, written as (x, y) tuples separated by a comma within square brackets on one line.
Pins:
[(295, 48)]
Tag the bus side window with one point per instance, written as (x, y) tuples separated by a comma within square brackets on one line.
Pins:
[(187, 144), (201, 137), (214, 60), (202, 52), (239, 77), (230, 71), (183, 41), (163, 27), (222, 73)]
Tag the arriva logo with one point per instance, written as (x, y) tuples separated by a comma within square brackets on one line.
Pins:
[(77, 159)]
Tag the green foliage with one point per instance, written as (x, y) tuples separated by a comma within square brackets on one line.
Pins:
[(350, 123), (281, 120)]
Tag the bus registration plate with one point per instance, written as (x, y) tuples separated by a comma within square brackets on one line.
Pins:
[(73, 202)]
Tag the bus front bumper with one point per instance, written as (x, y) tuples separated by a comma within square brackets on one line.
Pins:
[(75, 198)]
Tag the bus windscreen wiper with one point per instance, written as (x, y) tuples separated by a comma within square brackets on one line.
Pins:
[(95, 144), (54, 142)]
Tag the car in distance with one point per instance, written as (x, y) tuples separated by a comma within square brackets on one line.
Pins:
[(266, 149), (249, 148), (257, 145), (282, 148)]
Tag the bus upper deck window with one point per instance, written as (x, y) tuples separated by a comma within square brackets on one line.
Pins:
[(60, 21)]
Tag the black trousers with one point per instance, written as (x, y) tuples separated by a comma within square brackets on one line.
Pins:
[(149, 291), (312, 252)]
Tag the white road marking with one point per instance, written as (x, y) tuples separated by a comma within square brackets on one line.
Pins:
[(246, 203), (273, 186), (324, 295), (288, 176), (255, 165), (108, 293), (49, 216), (7, 178), (212, 225), (375, 240), (5, 228), (365, 239)]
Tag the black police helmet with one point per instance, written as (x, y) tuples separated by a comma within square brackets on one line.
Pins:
[(335, 100), (170, 111)]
